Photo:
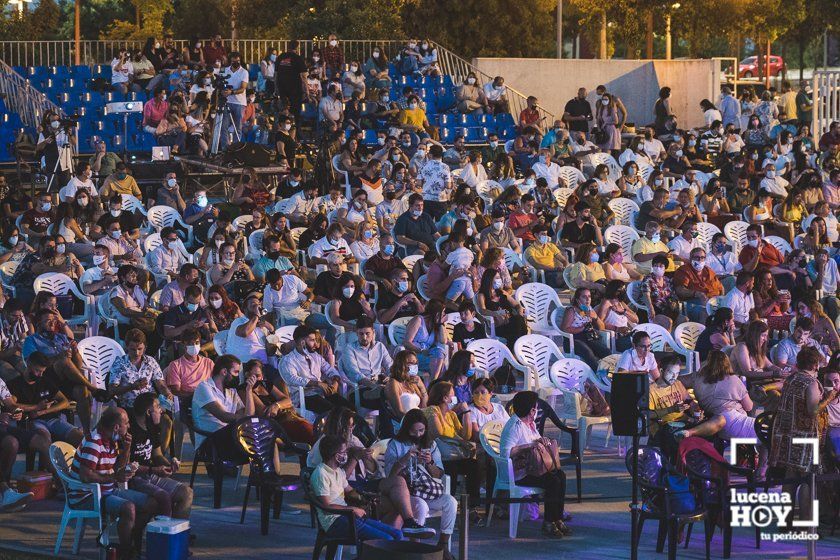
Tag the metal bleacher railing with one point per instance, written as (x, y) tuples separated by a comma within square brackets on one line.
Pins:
[(62, 53), (23, 99)]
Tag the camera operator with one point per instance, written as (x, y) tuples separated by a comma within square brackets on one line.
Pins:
[(55, 144), (234, 93)]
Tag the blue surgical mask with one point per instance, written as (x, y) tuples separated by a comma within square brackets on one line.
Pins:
[(192, 307), (585, 308), (655, 238), (388, 250), (471, 372)]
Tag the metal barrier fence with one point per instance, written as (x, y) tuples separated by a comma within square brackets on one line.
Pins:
[(62, 53), (22, 98), (826, 106)]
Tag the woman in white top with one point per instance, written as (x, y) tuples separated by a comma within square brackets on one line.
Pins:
[(365, 241), (614, 267), (404, 390), (639, 357), (203, 82), (484, 411), (287, 296), (267, 71), (710, 113), (354, 212), (606, 186), (353, 80), (69, 229), (520, 433), (473, 172), (616, 314)]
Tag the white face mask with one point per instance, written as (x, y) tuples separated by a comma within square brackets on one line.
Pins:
[(354, 68), (698, 265), (658, 271), (543, 239), (655, 237), (98, 259), (498, 226), (605, 102), (770, 174), (171, 182), (193, 349), (471, 81), (412, 106), (13, 240), (413, 369), (60, 248), (469, 232), (228, 261), (657, 182), (348, 292), (678, 153), (116, 234), (287, 127), (45, 206), (82, 202), (752, 242), (375, 54), (497, 284), (201, 201), (215, 303)]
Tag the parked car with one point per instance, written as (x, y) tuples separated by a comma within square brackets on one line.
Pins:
[(748, 68)]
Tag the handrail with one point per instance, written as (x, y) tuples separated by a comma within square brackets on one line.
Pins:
[(24, 99), (62, 53)]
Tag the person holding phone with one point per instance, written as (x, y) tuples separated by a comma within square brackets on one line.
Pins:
[(187, 316), (153, 476)]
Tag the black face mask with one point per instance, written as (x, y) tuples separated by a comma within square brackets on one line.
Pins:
[(273, 255), (390, 195)]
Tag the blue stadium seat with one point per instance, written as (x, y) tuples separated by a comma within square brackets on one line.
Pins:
[(308, 111), (370, 136), (505, 119), (447, 135), (82, 73), (20, 70), (476, 134)]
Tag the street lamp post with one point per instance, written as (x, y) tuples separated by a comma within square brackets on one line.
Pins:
[(559, 28), (668, 31)]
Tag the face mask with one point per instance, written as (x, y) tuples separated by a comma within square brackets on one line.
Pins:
[(498, 226), (471, 81), (315, 58), (116, 234), (388, 250), (402, 286), (368, 234), (543, 239), (201, 201), (754, 157), (497, 284), (82, 202), (493, 144), (55, 124), (695, 234), (594, 257), (692, 143), (770, 174), (171, 183), (218, 243), (658, 271), (421, 153), (13, 240), (655, 238), (414, 370), (481, 400), (720, 246), (395, 158), (98, 259), (192, 307), (348, 292), (605, 102), (416, 213), (333, 242), (411, 106), (657, 182), (215, 303), (354, 68), (585, 308), (60, 248), (698, 265), (231, 382), (192, 349), (752, 242), (228, 262), (333, 43), (678, 153), (45, 206)]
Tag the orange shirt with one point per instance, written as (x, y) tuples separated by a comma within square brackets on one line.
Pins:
[(705, 281), (769, 257)]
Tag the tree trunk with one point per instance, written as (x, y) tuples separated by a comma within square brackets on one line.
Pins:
[(602, 42), (802, 46), (649, 36)]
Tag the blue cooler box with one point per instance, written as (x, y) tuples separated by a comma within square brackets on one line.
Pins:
[(167, 539)]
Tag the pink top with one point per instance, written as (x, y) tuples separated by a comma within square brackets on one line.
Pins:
[(184, 375), (154, 112), (831, 194)]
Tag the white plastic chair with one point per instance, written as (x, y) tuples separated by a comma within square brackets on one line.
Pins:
[(607, 159), (423, 288), (60, 284), (410, 261), (61, 457), (484, 190), (634, 294), (645, 169), (660, 339), (562, 194), (602, 378), (396, 331), (706, 232), (568, 375), (220, 342), (285, 334), (343, 175), (538, 352), (240, 222), (736, 232), (7, 271), (539, 301), (98, 354), (782, 245), (686, 335), (490, 437), (166, 216), (572, 176), (713, 303), (624, 236), (440, 241), (625, 210), (490, 354), (255, 243)]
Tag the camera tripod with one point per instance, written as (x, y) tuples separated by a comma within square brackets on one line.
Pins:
[(223, 114)]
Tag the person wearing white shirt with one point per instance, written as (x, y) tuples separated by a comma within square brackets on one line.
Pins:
[(687, 181), (639, 357), (237, 99), (305, 367), (99, 278), (390, 209), (583, 149), (823, 210), (653, 147), (740, 299), (165, 260), (333, 200), (496, 94), (547, 169), (81, 180), (246, 337), (733, 143), (364, 361), (216, 407), (824, 274), (332, 242), (723, 261), (121, 71), (303, 205), (683, 244), (287, 295), (772, 183)]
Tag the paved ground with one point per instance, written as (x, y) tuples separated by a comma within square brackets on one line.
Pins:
[(601, 526)]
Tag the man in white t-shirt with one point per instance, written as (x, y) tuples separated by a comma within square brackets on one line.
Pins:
[(246, 338), (216, 407), (81, 180), (547, 169), (237, 99), (683, 244), (122, 71), (740, 299), (639, 357), (652, 147), (772, 183)]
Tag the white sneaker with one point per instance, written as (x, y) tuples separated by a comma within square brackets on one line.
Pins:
[(14, 501)]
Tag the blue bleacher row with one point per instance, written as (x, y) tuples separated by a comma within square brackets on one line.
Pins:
[(67, 86)]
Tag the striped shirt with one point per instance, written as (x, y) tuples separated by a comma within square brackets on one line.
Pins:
[(100, 456)]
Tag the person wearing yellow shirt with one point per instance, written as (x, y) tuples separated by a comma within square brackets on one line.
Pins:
[(413, 118), (793, 208), (120, 182), (544, 255), (587, 271), (646, 248)]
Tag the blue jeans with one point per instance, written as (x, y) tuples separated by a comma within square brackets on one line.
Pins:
[(834, 438), (366, 529), (236, 114), (460, 287)]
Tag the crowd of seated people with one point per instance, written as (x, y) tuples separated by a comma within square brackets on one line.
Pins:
[(376, 301)]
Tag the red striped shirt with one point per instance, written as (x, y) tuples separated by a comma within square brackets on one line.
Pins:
[(98, 455)]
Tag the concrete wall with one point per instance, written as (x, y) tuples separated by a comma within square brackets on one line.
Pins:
[(636, 82)]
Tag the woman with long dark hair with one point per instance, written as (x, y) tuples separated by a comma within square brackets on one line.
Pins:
[(508, 314), (581, 320), (719, 333), (427, 337)]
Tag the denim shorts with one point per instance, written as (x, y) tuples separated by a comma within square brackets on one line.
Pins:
[(58, 427)]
